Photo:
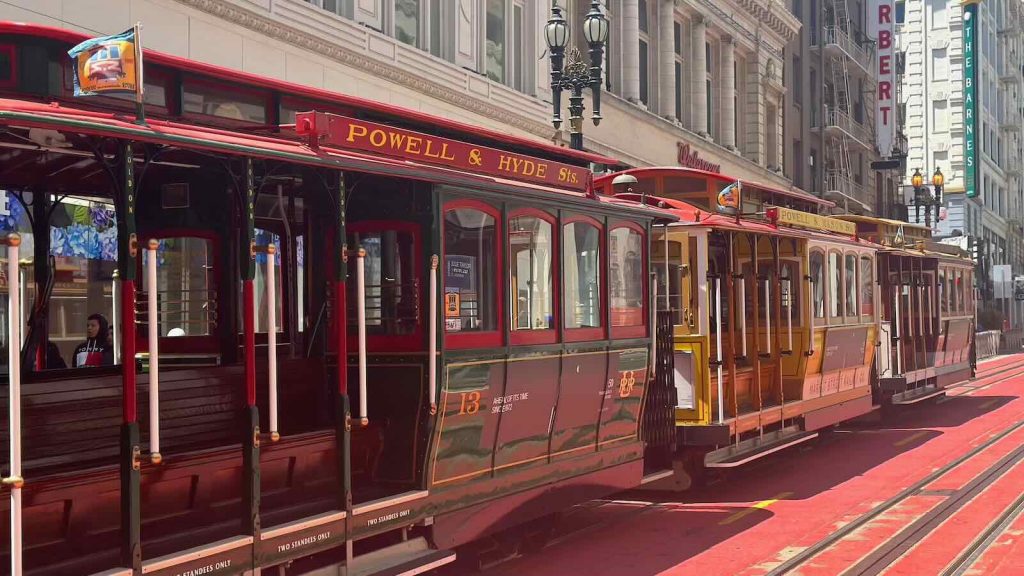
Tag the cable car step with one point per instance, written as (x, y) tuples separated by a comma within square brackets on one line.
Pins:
[(917, 395), (750, 450), (406, 559), (655, 476)]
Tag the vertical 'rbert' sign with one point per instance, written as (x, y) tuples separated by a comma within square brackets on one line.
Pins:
[(970, 8), (880, 26)]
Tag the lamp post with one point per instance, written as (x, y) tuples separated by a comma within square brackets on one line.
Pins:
[(571, 72), (923, 197)]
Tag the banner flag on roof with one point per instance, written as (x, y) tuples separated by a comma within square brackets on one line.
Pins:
[(729, 198), (110, 64)]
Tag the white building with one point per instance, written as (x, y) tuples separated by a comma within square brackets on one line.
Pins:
[(930, 34), (697, 74)]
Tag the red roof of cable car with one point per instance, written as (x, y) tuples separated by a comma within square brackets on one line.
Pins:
[(680, 170), (219, 72), (56, 116)]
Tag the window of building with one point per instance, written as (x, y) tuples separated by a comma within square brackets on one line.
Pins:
[(901, 12), (495, 51), (626, 277), (867, 286), (471, 265), (835, 286), (818, 283), (708, 99), (939, 14), (581, 276), (678, 63), (531, 250), (644, 49), (392, 298), (407, 21), (940, 64), (850, 285), (796, 80)]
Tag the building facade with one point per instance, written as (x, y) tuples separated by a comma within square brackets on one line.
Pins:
[(932, 37), (690, 82), (830, 115)]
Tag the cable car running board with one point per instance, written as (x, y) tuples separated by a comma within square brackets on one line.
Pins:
[(405, 559), (654, 477), (917, 395), (750, 450)]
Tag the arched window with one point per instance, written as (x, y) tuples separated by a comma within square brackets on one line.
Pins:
[(817, 273), (850, 285), (472, 260), (626, 280), (581, 280), (943, 294), (531, 253)]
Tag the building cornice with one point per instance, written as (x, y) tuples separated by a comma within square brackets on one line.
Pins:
[(267, 26)]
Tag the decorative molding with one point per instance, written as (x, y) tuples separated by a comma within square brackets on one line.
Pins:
[(271, 28)]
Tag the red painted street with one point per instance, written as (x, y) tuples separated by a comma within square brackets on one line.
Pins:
[(933, 488)]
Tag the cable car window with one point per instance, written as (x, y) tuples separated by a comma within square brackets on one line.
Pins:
[(791, 289), (392, 291), (470, 269), (266, 238), (581, 265), (530, 253), (960, 292), (951, 283), (867, 287), (944, 302), (850, 285), (300, 281), (834, 285), (186, 296), (211, 100), (626, 267), (818, 283)]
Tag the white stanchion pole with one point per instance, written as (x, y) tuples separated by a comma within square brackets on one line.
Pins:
[(432, 360), (14, 481), (718, 344), (275, 435), (361, 318), (153, 320)]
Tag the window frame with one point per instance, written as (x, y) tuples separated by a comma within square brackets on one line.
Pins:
[(840, 303), (638, 331), (856, 313), (209, 343), (585, 334), (870, 257), (267, 96), (402, 342), (539, 336), (484, 338), (824, 284)]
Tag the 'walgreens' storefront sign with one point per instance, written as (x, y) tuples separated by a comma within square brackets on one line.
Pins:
[(690, 159), (880, 26)]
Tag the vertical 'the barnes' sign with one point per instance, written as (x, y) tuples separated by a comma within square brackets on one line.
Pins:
[(970, 8)]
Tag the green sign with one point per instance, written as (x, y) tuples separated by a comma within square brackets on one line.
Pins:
[(970, 9)]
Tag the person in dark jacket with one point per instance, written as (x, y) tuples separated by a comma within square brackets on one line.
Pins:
[(97, 349)]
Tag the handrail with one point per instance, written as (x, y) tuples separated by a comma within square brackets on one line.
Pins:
[(361, 319), (432, 358), (153, 323), (789, 312), (15, 480), (741, 312), (271, 252), (768, 314), (718, 345), (810, 315)]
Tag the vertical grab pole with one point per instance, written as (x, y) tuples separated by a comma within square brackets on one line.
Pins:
[(153, 321), (361, 319), (432, 360), (768, 312), (898, 289), (810, 314), (15, 482), (789, 313), (115, 315), (272, 340), (741, 313), (718, 345), (250, 421)]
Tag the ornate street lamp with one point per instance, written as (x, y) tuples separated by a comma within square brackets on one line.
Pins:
[(571, 73), (917, 181), (922, 196)]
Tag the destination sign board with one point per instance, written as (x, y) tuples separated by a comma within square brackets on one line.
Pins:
[(789, 217), (352, 134)]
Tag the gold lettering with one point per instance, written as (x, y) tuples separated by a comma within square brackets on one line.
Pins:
[(445, 155), (529, 167), (413, 145), (517, 164), (505, 163), (542, 170), (397, 140), (355, 130), (378, 138), (427, 153)]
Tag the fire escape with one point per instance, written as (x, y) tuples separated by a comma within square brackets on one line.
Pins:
[(845, 127)]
